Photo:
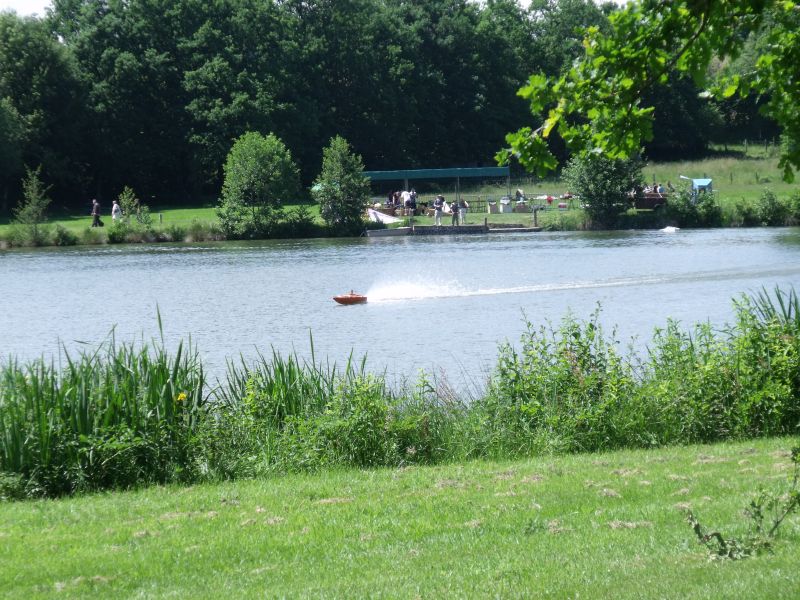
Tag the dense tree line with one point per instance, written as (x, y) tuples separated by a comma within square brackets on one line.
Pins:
[(152, 93)]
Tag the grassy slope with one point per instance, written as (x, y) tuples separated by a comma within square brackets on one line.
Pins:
[(594, 525)]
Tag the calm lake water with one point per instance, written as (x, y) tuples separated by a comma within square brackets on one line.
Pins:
[(436, 303)]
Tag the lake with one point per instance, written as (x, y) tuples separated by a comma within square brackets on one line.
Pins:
[(436, 303)]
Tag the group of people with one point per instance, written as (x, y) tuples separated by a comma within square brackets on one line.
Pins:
[(116, 213), (458, 210), (406, 200), (657, 188)]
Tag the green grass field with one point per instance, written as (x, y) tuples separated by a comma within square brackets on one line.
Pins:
[(591, 526)]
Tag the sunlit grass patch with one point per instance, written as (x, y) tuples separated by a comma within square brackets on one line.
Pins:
[(368, 533)]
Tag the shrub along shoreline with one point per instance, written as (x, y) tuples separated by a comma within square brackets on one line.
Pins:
[(122, 416), (302, 221)]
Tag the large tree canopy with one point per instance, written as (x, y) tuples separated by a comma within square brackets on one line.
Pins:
[(41, 117), (597, 107), (152, 93)]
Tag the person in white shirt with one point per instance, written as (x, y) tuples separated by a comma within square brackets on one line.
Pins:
[(462, 210), (405, 198), (438, 206)]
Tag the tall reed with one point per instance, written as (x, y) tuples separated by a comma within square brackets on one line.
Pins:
[(115, 416)]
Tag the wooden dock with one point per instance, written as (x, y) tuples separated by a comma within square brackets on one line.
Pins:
[(453, 230), (485, 228), (448, 229)]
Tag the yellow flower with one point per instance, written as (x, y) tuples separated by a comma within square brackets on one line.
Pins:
[(181, 397)]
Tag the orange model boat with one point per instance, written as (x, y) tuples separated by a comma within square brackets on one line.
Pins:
[(351, 298)]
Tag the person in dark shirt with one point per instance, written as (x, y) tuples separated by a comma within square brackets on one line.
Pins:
[(96, 222)]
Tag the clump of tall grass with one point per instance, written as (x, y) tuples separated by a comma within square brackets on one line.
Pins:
[(259, 401), (117, 416), (563, 220), (570, 388), (63, 236), (199, 231), (292, 414), (173, 233), (687, 211), (767, 210), (44, 235), (560, 390), (138, 230), (20, 235), (92, 236)]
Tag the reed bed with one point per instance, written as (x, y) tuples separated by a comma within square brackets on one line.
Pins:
[(115, 416), (124, 416)]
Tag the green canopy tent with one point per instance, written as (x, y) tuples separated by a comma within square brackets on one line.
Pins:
[(454, 173)]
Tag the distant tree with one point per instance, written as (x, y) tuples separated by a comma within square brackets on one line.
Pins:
[(603, 185), (260, 176), (32, 210), (133, 210), (12, 131), (341, 188)]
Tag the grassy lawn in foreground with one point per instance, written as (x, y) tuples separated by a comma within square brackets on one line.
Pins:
[(594, 526)]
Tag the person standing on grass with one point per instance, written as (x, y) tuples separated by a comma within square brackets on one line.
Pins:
[(96, 213), (454, 210), (438, 206), (462, 211), (405, 201), (116, 211)]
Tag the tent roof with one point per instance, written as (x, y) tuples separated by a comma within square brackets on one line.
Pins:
[(437, 173)]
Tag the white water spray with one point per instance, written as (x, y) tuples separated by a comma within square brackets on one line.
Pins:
[(421, 288)]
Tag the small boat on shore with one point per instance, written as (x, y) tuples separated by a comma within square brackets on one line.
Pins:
[(351, 298)]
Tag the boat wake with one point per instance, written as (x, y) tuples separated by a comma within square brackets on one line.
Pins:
[(405, 290), (422, 290), (415, 290)]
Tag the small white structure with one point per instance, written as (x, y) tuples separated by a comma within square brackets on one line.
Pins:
[(379, 217)]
